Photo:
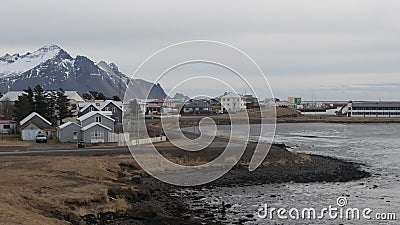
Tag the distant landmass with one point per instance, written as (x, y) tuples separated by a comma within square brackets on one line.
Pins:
[(53, 68)]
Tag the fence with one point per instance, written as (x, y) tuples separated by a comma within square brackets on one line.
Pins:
[(120, 138)]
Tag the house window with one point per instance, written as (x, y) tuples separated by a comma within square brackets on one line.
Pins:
[(91, 109), (7, 126), (116, 119), (97, 104), (114, 109), (97, 135), (75, 135), (98, 119)]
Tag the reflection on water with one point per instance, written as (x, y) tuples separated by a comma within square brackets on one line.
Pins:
[(375, 145)]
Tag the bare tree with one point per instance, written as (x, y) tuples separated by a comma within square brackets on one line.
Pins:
[(7, 109)]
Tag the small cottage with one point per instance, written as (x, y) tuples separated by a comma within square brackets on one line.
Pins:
[(69, 132), (35, 124)]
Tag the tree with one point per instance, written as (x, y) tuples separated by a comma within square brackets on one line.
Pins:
[(87, 96), (41, 105), (23, 106), (50, 102), (7, 109), (115, 98), (62, 108), (133, 109), (100, 96), (52, 105)]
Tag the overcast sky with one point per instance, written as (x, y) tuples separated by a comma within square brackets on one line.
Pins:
[(315, 49)]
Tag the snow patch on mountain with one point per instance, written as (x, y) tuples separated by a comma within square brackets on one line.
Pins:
[(15, 64)]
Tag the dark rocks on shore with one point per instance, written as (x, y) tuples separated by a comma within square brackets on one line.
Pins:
[(153, 204)]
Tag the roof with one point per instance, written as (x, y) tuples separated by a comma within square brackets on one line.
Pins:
[(27, 124), (230, 95), (62, 126), (74, 95), (196, 103), (100, 105), (93, 125), (92, 113), (157, 101), (86, 105), (13, 95), (30, 116), (7, 121), (376, 104)]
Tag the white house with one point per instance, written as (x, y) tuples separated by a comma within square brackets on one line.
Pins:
[(7, 126), (35, 124), (232, 102)]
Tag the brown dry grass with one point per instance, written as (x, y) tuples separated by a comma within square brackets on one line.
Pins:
[(46, 190), (14, 143)]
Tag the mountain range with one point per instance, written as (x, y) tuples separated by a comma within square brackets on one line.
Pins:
[(53, 68)]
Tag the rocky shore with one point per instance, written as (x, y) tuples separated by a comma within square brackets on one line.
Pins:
[(280, 166)]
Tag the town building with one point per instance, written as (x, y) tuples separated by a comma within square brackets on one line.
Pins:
[(115, 107), (251, 102), (155, 107), (33, 125), (103, 117), (93, 127), (69, 132), (196, 107), (373, 109), (232, 102), (95, 133), (7, 126)]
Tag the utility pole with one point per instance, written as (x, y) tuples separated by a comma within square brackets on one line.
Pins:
[(194, 124)]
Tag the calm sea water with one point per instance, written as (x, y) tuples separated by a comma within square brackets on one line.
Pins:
[(375, 145)]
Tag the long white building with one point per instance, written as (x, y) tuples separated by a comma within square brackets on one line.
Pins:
[(373, 109)]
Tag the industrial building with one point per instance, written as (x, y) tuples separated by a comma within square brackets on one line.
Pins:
[(373, 109)]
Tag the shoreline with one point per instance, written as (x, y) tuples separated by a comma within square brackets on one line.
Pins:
[(280, 166), (333, 119), (111, 188), (299, 168)]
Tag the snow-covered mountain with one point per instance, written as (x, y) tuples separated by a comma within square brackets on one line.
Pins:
[(53, 68)]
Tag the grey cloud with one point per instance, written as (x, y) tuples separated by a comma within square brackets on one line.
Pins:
[(309, 42)]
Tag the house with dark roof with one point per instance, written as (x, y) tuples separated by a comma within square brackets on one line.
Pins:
[(196, 107)]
